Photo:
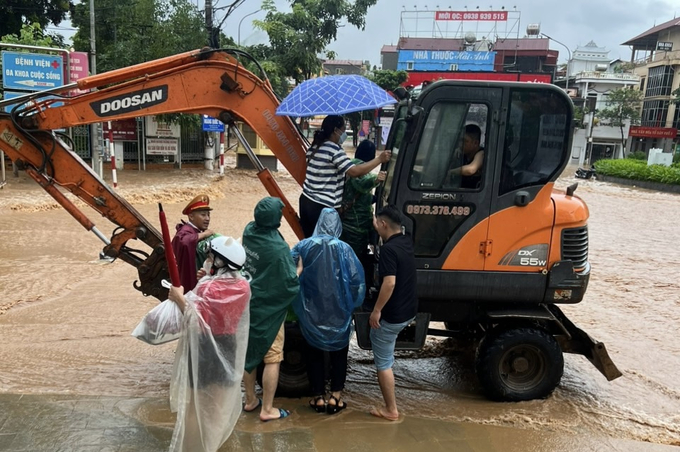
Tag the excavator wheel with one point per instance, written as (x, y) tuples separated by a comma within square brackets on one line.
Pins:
[(519, 364)]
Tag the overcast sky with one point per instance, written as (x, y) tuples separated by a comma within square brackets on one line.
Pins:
[(574, 23)]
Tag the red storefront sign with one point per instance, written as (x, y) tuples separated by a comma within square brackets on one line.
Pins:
[(416, 78), (653, 132), (495, 16), (123, 130)]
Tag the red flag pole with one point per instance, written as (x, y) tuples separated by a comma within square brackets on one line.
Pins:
[(169, 255)]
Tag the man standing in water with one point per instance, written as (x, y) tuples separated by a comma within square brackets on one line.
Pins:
[(397, 303), (187, 237), (274, 285)]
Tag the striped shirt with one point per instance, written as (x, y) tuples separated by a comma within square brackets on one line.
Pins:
[(325, 179)]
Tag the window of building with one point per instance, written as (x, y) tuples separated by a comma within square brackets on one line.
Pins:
[(536, 139), (339, 71), (642, 84), (659, 81), (676, 118), (409, 66), (250, 135), (654, 113)]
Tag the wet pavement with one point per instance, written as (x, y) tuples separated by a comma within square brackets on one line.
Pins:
[(68, 423)]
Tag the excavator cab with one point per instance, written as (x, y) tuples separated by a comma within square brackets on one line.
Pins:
[(496, 250)]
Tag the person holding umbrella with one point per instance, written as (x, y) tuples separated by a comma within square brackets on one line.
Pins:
[(327, 166)]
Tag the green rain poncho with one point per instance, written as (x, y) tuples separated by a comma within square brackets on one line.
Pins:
[(274, 282), (357, 217)]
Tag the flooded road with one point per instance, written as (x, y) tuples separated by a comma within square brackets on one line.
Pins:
[(65, 317)]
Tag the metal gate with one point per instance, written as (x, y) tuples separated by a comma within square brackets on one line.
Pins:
[(81, 141)]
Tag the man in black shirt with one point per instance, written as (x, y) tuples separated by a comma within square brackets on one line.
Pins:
[(397, 302)]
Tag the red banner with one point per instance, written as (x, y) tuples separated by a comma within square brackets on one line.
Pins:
[(653, 132), (416, 78), (494, 16), (123, 130)]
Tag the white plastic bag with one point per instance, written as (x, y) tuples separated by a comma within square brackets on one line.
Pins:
[(160, 325)]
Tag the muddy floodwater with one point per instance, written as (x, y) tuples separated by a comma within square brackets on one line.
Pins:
[(66, 316)]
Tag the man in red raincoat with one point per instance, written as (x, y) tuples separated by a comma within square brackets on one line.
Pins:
[(187, 237)]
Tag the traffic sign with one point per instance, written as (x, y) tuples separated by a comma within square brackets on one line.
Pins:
[(212, 124), (13, 95), (31, 71)]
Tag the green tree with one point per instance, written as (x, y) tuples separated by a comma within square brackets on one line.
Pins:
[(16, 13), (32, 35), (623, 107), (130, 32), (389, 80), (298, 37), (266, 57)]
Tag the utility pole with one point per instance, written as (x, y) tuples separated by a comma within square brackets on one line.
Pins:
[(209, 24), (209, 149), (97, 164)]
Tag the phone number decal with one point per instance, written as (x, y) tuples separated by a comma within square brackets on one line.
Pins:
[(463, 211)]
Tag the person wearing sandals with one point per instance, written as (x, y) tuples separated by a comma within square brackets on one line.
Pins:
[(397, 303), (274, 286), (331, 287)]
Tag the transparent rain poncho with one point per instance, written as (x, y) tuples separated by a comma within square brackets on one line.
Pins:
[(205, 389), (331, 285)]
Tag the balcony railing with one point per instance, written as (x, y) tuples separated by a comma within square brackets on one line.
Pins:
[(659, 55)]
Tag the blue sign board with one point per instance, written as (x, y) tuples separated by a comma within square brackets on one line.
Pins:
[(445, 60), (13, 95), (31, 72), (212, 124)]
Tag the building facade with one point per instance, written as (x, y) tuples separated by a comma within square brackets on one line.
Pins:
[(593, 138), (656, 56), (436, 45)]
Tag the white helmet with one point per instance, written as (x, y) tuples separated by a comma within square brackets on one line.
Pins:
[(230, 251)]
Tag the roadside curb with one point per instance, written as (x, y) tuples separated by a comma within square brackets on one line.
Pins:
[(658, 186)]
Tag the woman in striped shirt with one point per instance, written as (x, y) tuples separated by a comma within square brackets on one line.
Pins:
[(327, 166)]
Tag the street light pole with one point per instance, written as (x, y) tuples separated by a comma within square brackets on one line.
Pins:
[(241, 21), (566, 83)]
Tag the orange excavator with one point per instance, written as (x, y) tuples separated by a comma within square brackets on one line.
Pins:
[(496, 251)]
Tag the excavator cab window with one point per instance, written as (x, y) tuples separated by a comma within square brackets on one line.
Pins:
[(536, 138), (440, 151), (397, 135)]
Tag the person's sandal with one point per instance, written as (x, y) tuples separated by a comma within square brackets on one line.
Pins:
[(314, 403), (334, 408)]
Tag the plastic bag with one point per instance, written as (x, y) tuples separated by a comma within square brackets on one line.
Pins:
[(160, 325), (205, 390)]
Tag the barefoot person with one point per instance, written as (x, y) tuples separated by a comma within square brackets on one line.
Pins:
[(397, 303)]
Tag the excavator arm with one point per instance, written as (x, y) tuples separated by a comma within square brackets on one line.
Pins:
[(210, 82)]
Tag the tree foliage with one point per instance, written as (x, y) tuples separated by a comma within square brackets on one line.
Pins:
[(14, 14), (32, 35), (389, 80), (623, 108), (130, 32), (298, 37)]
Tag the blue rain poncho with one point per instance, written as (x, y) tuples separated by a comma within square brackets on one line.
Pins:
[(332, 285)]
